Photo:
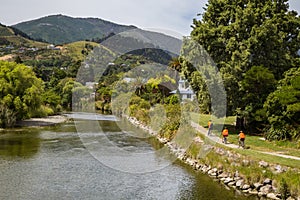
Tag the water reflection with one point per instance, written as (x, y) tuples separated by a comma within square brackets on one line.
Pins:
[(59, 166), (19, 143)]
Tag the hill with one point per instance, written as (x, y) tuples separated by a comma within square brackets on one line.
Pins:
[(60, 29), (11, 36)]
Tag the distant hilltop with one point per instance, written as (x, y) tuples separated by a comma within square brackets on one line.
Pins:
[(60, 29)]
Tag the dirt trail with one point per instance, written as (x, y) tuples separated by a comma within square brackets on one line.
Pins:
[(217, 139)]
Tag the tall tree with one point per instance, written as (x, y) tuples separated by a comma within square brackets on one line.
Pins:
[(257, 83), (245, 33), (20, 90), (283, 107)]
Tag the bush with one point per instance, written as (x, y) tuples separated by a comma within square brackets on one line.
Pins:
[(7, 117), (284, 190), (278, 134), (43, 111)]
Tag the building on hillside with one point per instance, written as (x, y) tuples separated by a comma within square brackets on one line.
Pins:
[(91, 85), (184, 90)]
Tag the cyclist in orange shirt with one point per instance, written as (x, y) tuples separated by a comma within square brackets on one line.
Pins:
[(225, 135), (210, 127), (242, 139)]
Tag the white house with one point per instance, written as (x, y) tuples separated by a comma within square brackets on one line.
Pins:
[(184, 90)]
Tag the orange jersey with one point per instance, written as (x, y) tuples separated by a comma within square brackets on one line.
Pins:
[(225, 132), (209, 123), (242, 135)]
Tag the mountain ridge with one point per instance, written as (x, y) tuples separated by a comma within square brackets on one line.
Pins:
[(60, 29)]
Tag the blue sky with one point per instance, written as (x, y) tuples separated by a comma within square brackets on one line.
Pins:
[(163, 15)]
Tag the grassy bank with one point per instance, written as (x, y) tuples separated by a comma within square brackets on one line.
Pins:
[(246, 162), (252, 141)]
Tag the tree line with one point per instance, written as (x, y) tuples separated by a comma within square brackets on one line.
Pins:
[(255, 46)]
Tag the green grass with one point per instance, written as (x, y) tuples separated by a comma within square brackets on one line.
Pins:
[(253, 173), (254, 142), (203, 119), (74, 49), (20, 41), (257, 143)]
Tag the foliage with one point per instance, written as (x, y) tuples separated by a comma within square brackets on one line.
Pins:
[(239, 35), (284, 190), (258, 82), (172, 122), (198, 68), (21, 91), (139, 108), (283, 107), (278, 133), (7, 117)]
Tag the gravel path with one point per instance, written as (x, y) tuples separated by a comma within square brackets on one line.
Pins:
[(218, 140)]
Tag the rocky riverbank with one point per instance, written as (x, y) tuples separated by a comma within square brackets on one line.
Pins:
[(265, 189)]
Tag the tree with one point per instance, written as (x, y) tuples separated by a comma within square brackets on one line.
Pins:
[(257, 84), (20, 90), (70, 90), (241, 34), (283, 107)]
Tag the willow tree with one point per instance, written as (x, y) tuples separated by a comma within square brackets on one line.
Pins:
[(20, 92), (242, 34)]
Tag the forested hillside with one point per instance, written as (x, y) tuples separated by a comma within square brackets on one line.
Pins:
[(60, 29)]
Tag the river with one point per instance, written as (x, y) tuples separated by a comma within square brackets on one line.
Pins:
[(57, 163)]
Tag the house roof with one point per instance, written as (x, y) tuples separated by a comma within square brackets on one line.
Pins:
[(183, 91)]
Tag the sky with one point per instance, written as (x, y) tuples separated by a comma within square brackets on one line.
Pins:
[(174, 17)]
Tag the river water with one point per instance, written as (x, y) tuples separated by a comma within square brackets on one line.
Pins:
[(57, 163)]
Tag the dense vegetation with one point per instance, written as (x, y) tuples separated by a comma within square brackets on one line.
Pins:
[(21, 93), (255, 46)]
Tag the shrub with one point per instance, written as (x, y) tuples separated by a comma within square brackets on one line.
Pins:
[(284, 190), (278, 134), (7, 117)]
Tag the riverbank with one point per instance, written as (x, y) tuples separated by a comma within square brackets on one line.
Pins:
[(234, 170), (44, 121)]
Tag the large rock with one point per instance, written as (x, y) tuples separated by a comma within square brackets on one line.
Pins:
[(215, 170), (257, 185), (266, 189), (263, 164), (212, 172), (272, 196), (246, 163), (236, 174), (254, 192), (223, 175), (232, 184), (239, 183), (267, 181), (245, 187), (260, 194), (228, 180)]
